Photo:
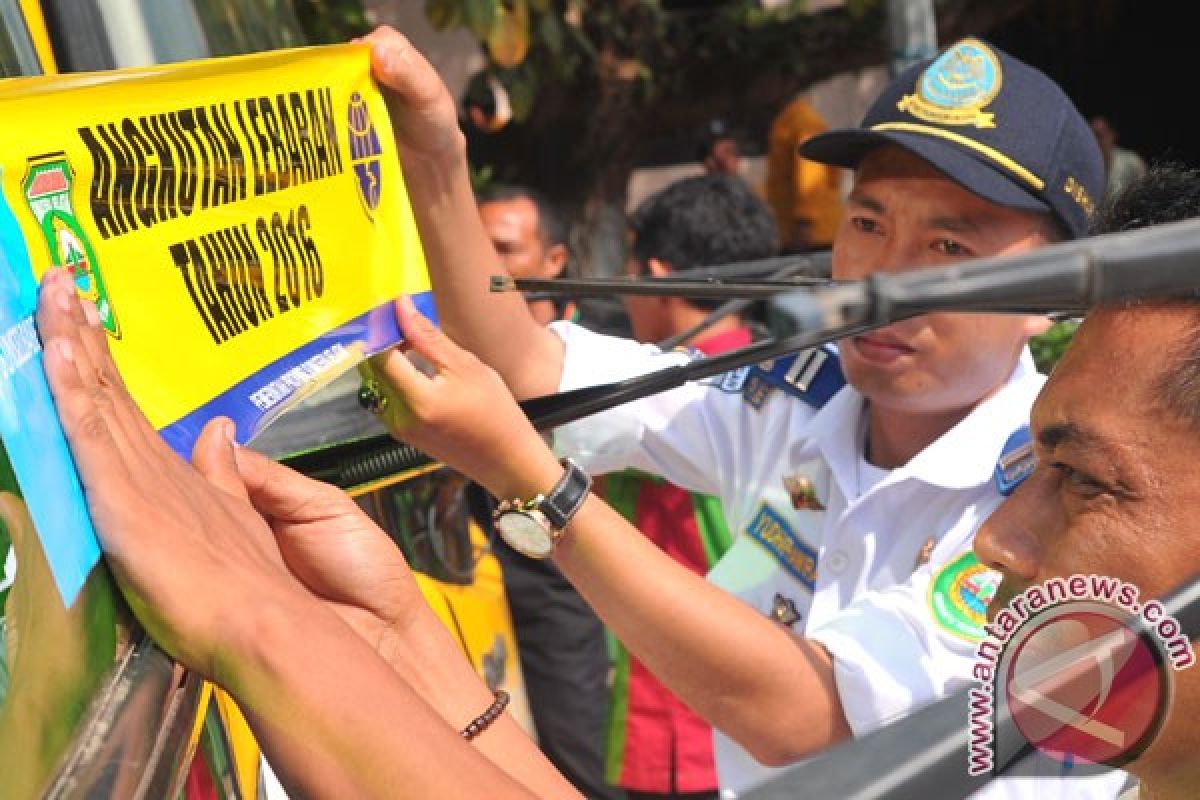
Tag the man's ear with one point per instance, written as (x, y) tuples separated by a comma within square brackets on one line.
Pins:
[(658, 269), (554, 262)]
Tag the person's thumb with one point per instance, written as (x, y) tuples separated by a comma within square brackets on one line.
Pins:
[(423, 337), (280, 492), (213, 456)]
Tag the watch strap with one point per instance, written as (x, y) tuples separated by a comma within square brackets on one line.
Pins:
[(563, 501)]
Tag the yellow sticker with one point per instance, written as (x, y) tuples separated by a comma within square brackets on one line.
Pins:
[(241, 223)]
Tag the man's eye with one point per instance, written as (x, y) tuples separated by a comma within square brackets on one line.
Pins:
[(949, 247), (865, 224), (1080, 482)]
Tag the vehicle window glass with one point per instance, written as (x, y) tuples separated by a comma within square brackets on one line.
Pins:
[(243, 26), (429, 518), (143, 32), (17, 55)]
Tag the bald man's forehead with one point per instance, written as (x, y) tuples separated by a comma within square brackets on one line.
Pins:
[(517, 211), (1112, 377)]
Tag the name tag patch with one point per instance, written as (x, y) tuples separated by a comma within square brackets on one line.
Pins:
[(773, 532)]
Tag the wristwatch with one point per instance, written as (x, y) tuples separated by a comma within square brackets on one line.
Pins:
[(533, 527)]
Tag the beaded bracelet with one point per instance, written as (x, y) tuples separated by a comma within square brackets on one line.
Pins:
[(481, 723)]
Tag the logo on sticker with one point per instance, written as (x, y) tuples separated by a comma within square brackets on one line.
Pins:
[(959, 596), (957, 86), (49, 181), (365, 153)]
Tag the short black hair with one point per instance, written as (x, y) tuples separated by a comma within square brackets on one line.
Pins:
[(551, 226), (703, 221), (1167, 192)]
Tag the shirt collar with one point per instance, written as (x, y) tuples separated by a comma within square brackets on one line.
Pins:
[(962, 458), (835, 435), (966, 455)]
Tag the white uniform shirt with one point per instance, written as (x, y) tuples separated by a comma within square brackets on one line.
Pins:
[(887, 599)]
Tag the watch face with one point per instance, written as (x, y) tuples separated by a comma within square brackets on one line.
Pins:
[(525, 534)]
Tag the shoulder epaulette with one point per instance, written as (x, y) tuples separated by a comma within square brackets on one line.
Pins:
[(1016, 461), (813, 375)]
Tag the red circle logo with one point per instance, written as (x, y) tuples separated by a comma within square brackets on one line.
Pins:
[(1083, 687)]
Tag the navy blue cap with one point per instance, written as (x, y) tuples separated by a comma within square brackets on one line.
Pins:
[(991, 123)]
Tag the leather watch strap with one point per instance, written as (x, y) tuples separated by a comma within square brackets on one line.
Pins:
[(563, 501)]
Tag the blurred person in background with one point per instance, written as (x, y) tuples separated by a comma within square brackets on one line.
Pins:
[(562, 643), (658, 747), (805, 195)]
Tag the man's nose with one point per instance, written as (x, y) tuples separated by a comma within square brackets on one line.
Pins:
[(896, 253), (1011, 538)]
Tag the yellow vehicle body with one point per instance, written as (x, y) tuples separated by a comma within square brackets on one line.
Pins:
[(472, 603)]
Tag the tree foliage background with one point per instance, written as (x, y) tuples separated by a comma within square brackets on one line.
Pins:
[(600, 87), (331, 21)]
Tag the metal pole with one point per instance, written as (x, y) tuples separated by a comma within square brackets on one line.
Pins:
[(913, 32)]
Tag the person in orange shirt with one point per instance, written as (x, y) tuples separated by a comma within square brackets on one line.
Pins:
[(805, 195)]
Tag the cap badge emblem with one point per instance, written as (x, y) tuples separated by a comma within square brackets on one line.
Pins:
[(956, 87)]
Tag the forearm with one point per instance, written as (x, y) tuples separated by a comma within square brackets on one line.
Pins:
[(729, 662), (771, 691), (497, 327), (429, 659), (334, 720)]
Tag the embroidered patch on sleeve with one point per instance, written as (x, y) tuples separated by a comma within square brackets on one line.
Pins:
[(771, 530), (959, 595)]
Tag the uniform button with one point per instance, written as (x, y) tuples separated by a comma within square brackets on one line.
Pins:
[(836, 562)]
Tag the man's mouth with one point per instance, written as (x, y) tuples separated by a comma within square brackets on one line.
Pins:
[(881, 347)]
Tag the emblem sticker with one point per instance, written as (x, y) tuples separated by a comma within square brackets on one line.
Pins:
[(365, 153), (959, 595), (957, 86), (48, 185)]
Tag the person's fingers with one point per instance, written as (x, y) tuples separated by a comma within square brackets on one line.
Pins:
[(279, 492), (213, 457), (424, 115), (95, 338), (75, 318), (398, 66), (54, 317), (100, 462), (405, 388), (61, 318), (426, 339)]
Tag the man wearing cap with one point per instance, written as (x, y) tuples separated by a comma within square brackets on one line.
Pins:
[(854, 506)]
